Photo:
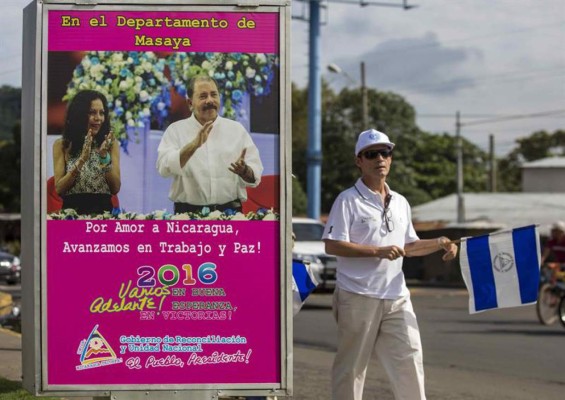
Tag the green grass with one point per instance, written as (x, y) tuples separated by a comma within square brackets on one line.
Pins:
[(10, 390)]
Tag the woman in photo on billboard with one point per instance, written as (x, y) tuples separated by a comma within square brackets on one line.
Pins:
[(87, 158)]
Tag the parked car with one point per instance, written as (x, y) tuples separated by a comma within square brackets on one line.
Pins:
[(10, 268), (309, 247)]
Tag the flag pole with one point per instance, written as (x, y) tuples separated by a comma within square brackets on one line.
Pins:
[(433, 245), (458, 241), (500, 232)]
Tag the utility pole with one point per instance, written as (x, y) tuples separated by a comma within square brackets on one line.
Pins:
[(364, 97), (492, 164), (459, 144)]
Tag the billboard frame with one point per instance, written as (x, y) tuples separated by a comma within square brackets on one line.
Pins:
[(34, 207)]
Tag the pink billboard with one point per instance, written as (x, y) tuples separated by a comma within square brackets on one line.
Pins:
[(163, 260), (166, 302)]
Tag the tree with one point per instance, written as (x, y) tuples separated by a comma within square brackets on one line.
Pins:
[(10, 134), (435, 162), (538, 145), (299, 133), (299, 199), (300, 129), (10, 165), (342, 122), (10, 110), (424, 166)]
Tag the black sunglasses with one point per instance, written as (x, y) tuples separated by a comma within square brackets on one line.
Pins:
[(372, 154)]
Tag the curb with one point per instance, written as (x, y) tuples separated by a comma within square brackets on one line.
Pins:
[(9, 332)]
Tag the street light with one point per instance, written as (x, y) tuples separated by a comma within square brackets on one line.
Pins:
[(334, 68), (459, 144)]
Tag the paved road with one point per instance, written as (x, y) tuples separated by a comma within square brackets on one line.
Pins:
[(502, 354)]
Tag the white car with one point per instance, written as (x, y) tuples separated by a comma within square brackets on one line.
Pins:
[(308, 246), (10, 268)]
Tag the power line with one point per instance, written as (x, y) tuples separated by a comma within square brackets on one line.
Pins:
[(513, 117), (365, 3), (450, 116)]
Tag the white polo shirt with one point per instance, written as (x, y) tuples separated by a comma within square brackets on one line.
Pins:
[(357, 217)]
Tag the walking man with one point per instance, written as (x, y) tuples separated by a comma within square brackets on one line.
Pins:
[(370, 230)]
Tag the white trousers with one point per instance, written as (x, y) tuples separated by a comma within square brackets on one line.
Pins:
[(390, 330)]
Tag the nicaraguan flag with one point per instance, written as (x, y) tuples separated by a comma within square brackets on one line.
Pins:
[(303, 283), (501, 269)]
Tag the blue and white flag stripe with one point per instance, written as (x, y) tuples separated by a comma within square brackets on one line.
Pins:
[(501, 269), (303, 283)]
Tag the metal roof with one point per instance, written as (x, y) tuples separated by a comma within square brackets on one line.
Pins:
[(505, 209), (550, 162), (10, 217)]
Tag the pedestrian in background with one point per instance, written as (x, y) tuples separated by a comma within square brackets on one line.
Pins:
[(555, 246), (370, 230)]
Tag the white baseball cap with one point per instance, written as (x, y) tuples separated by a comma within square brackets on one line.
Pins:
[(558, 226), (371, 137)]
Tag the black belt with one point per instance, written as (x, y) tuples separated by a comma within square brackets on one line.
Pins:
[(186, 207)]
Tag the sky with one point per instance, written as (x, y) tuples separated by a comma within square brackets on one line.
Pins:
[(487, 59)]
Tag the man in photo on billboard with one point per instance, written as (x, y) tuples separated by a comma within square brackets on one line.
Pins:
[(211, 159), (370, 230)]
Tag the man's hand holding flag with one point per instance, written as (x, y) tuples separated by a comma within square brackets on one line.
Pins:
[(500, 269)]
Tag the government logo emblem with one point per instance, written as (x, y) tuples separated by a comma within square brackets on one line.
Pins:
[(96, 352), (503, 262)]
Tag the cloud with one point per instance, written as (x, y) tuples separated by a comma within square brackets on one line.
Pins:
[(418, 65)]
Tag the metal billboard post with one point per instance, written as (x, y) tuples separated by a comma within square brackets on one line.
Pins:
[(459, 144)]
